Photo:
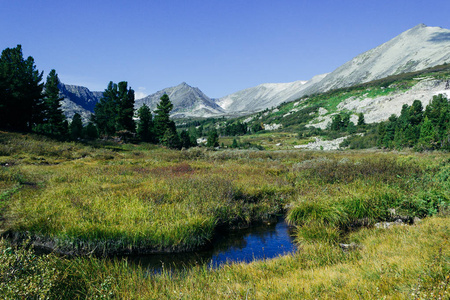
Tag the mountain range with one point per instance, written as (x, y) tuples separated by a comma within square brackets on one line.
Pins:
[(415, 49)]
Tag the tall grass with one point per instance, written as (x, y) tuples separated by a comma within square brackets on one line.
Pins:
[(408, 262), (136, 198)]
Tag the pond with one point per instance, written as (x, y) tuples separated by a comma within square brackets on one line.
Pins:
[(244, 245)]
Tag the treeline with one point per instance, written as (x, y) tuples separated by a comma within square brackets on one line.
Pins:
[(416, 127), (427, 129), (28, 105)]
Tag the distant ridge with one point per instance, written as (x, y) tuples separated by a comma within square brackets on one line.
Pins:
[(78, 99), (415, 49), (188, 101)]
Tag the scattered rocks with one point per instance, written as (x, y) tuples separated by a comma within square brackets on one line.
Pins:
[(319, 144), (350, 247), (272, 126), (385, 225)]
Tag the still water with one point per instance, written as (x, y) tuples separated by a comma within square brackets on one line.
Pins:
[(244, 245)]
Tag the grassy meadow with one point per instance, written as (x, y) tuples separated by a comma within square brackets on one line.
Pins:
[(109, 198)]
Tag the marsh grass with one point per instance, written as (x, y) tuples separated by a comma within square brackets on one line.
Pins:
[(116, 198), (407, 262)]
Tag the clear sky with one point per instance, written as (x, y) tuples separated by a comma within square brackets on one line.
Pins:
[(219, 46)]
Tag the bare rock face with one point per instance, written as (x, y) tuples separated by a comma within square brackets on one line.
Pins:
[(187, 102), (78, 99), (416, 49)]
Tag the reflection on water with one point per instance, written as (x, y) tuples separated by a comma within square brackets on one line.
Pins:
[(245, 245)]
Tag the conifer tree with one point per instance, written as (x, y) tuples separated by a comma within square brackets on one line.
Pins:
[(162, 119), (76, 127), (21, 88), (145, 124), (186, 140), (125, 108), (54, 121), (438, 112), (213, 138), (428, 136), (361, 121), (90, 131), (106, 111)]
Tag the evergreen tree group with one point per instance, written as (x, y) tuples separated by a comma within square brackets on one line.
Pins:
[(115, 110), (26, 103), (415, 127)]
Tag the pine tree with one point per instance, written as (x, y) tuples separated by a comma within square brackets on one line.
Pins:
[(213, 138), (171, 139), (428, 136), (76, 127), (361, 121), (162, 121), (90, 131), (234, 144), (438, 112), (21, 96), (125, 108), (336, 122), (54, 120), (145, 124), (106, 111), (185, 140)]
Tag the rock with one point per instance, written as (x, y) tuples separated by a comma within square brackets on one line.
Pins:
[(385, 225), (350, 247)]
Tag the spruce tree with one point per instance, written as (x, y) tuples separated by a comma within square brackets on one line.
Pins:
[(106, 111), (438, 112), (361, 121), (145, 124), (76, 127), (125, 108), (162, 119), (186, 140), (21, 88), (90, 131), (428, 136), (54, 120), (213, 138)]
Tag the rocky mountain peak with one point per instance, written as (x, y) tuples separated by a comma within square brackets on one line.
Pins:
[(188, 101)]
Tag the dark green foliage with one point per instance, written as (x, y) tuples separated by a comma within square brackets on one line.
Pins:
[(186, 140), (234, 144), (171, 139), (213, 138), (106, 111), (438, 112), (54, 121), (90, 131), (164, 127), (145, 129), (361, 121), (341, 122), (125, 108), (257, 126), (21, 99), (115, 110), (237, 128), (427, 130), (76, 127)]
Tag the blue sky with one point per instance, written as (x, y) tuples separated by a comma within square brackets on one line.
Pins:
[(219, 46)]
